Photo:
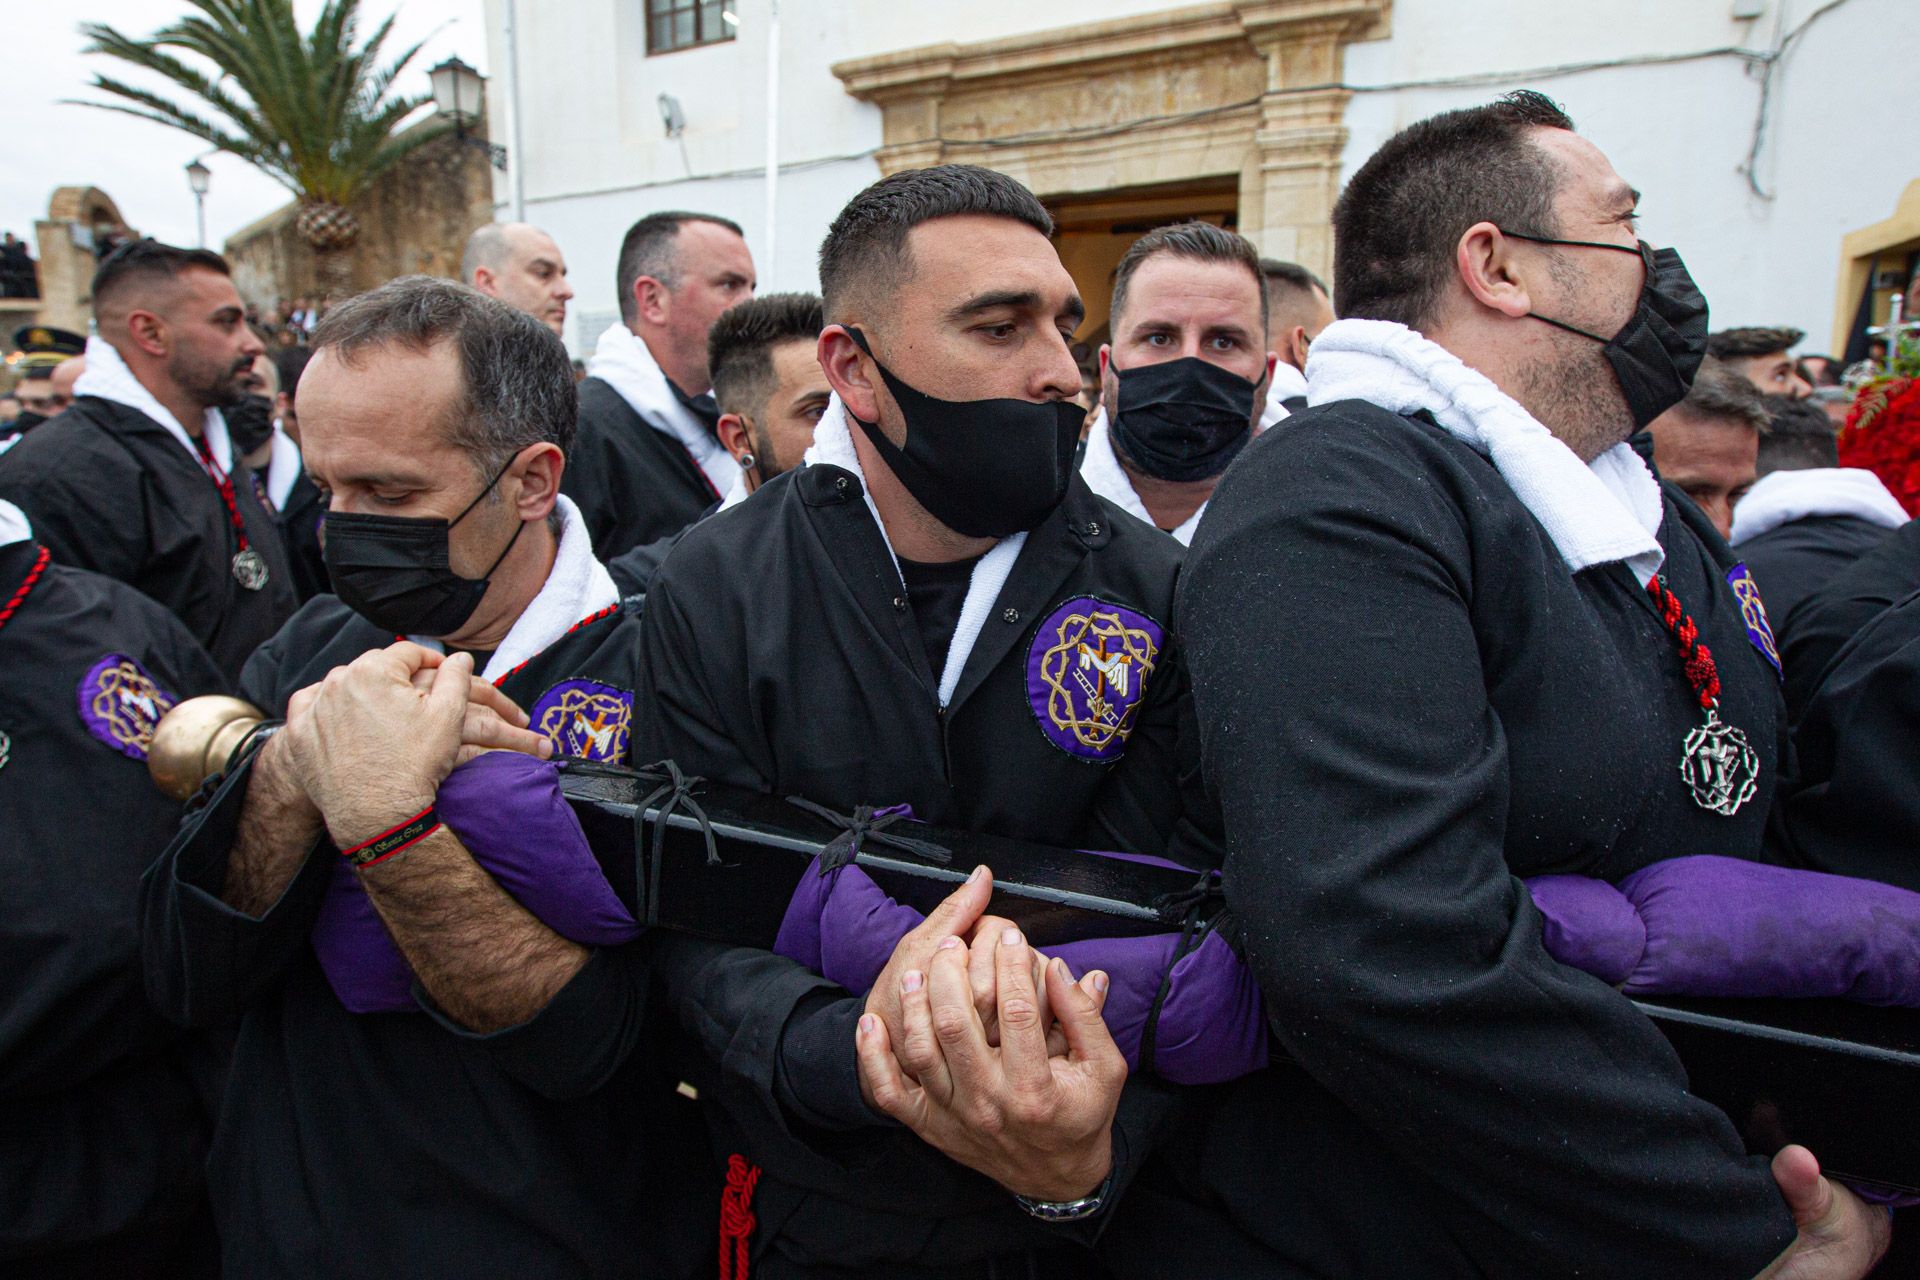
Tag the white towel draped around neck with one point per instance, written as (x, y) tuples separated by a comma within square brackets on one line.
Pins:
[(1596, 513), (578, 586), (108, 377), (1287, 383), (622, 361), (1101, 469), (14, 526), (1785, 496), (833, 445)]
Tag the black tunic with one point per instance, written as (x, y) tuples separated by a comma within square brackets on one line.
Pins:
[(635, 483), (108, 489), (1851, 804), (299, 523), (391, 1144), (1406, 701), (782, 653), (1817, 629), (105, 1108), (1796, 559)]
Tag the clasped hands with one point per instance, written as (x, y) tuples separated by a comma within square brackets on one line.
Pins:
[(992, 1053), (371, 743)]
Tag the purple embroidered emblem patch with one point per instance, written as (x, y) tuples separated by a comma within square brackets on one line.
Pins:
[(585, 719), (121, 704), (1753, 612), (1087, 671)]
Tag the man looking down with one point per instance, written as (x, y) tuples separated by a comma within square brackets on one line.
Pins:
[(436, 422)]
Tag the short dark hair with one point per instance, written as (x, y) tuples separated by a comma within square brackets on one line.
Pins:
[(290, 363), (868, 239), (1199, 241), (1722, 395), (518, 384), (1829, 370), (147, 261), (1396, 225), (1798, 436), (647, 250), (1291, 275), (1754, 340), (740, 346)]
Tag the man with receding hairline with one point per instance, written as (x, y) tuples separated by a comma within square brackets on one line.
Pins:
[(137, 479), (648, 463), (521, 265)]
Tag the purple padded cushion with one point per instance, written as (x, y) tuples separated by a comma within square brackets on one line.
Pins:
[(507, 810)]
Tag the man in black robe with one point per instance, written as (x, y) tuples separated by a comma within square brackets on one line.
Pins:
[(302, 510), (106, 1108), (1819, 627), (139, 479), (407, 1142), (770, 391), (647, 463), (1850, 806), (1436, 623), (1808, 519), (902, 621)]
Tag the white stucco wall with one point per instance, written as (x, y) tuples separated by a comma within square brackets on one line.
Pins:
[(596, 158)]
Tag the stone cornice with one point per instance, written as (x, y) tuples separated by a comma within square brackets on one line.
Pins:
[(1185, 32)]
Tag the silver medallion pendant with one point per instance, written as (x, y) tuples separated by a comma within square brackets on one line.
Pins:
[(6, 748), (249, 570), (1719, 767)]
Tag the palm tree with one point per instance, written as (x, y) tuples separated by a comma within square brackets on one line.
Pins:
[(314, 112)]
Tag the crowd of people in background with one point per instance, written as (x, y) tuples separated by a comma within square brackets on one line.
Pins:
[(1383, 608)]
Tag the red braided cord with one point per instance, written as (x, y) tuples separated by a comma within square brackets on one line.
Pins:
[(1696, 658), (224, 483), (19, 597), (736, 1217)]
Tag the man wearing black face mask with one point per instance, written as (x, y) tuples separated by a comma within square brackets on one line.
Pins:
[(1445, 632), (436, 419), (1184, 379), (885, 626)]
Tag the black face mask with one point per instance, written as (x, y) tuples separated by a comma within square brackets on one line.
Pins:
[(1657, 353), (1183, 419), (250, 424), (394, 570), (24, 421), (983, 468)]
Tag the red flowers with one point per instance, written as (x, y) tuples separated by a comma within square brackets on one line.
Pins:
[(1882, 435)]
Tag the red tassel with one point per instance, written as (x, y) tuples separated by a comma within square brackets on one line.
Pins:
[(736, 1217)]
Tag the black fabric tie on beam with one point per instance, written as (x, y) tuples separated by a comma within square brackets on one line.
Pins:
[(863, 825), (673, 791)]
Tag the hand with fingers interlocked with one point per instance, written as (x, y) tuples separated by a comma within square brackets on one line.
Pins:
[(1024, 1091)]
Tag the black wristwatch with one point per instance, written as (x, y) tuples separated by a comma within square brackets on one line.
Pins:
[(1067, 1210)]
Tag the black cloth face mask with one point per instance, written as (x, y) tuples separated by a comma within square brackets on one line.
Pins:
[(394, 570), (983, 468), (250, 424), (1182, 419), (1657, 353)]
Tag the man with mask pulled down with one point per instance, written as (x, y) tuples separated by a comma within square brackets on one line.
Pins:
[(933, 567), (1492, 650), (1183, 380), (436, 421)]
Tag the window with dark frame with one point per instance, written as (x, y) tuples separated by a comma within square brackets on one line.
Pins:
[(683, 24)]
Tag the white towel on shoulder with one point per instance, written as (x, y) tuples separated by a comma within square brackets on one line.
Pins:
[(1781, 497), (108, 377), (622, 361), (1596, 513)]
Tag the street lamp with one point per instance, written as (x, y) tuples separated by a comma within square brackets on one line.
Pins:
[(458, 92), (198, 175)]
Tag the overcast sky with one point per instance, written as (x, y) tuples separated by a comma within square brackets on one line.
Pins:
[(45, 143)]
